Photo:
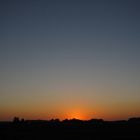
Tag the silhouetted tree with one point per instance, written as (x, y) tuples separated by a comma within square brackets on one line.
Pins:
[(16, 120), (22, 120), (55, 120)]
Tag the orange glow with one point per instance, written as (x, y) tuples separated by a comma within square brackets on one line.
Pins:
[(76, 114)]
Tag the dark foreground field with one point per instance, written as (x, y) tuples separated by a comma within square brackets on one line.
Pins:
[(70, 130)]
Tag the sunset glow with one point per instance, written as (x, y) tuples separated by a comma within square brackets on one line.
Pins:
[(76, 114)]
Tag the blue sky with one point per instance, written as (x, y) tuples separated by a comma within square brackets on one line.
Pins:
[(82, 53)]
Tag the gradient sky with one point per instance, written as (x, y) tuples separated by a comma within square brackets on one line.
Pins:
[(66, 59)]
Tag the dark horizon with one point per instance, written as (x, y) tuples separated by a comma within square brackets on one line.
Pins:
[(20, 119), (74, 129)]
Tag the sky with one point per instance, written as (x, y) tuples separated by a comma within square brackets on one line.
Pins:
[(69, 59)]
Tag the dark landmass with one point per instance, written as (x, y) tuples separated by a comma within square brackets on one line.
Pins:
[(95, 129)]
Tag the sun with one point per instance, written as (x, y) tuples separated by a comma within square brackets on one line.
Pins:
[(76, 114)]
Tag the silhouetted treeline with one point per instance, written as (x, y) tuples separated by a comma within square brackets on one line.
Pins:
[(95, 129)]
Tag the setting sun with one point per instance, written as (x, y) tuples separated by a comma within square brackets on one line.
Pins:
[(77, 114)]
